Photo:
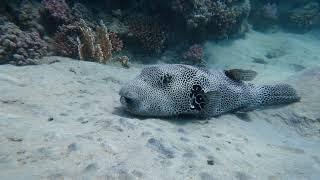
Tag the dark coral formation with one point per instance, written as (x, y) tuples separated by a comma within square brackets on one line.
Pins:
[(218, 19), (20, 47), (148, 32), (55, 13), (201, 19), (65, 40), (193, 20), (21, 34), (80, 11), (28, 17)]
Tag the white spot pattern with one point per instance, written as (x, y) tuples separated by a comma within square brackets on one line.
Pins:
[(169, 90)]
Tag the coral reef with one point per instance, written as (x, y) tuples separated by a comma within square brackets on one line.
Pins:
[(28, 17), (124, 60), (86, 44), (147, 28), (78, 40), (194, 55), (80, 11), (295, 15), (306, 17), (117, 43), (150, 34), (213, 18), (55, 13), (20, 47), (65, 40)]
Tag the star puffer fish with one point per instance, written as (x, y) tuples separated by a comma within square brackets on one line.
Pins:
[(176, 89)]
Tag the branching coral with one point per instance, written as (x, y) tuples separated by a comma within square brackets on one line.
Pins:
[(86, 46), (102, 44), (78, 40)]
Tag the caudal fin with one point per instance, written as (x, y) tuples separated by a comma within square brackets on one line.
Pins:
[(275, 94)]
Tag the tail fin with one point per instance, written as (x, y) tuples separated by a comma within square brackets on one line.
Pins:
[(267, 95)]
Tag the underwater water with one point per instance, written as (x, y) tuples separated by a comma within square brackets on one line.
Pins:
[(64, 113)]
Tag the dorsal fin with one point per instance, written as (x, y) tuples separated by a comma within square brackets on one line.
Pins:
[(240, 74)]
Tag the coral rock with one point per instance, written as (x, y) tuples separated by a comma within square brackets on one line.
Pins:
[(194, 55), (124, 60), (80, 11), (20, 47), (55, 13), (148, 32)]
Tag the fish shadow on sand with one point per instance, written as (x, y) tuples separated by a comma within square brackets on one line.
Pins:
[(177, 120), (243, 116), (120, 111), (186, 119)]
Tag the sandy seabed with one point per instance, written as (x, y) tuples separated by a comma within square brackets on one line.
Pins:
[(63, 121)]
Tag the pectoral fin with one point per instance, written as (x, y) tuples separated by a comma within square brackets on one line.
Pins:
[(240, 74), (212, 100)]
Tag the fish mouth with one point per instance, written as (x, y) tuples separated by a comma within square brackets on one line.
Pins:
[(129, 105), (126, 101)]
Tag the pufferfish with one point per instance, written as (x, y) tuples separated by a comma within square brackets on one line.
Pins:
[(175, 89)]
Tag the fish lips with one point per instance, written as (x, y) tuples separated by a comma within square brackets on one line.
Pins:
[(125, 101)]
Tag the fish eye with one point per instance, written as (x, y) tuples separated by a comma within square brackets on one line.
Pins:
[(165, 79)]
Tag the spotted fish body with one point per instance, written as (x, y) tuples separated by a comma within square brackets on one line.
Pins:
[(171, 90)]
